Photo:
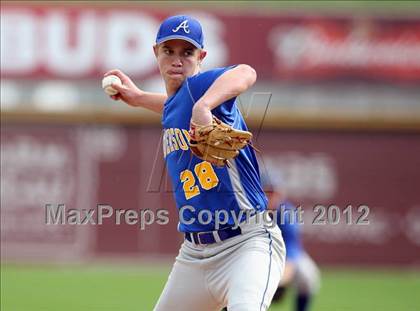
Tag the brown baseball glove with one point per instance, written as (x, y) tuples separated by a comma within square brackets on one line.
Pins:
[(218, 142)]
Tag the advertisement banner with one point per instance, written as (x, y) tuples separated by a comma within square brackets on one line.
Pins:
[(83, 42)]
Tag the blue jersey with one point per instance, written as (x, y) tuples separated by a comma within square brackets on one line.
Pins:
[(197, 184), (290, 230)]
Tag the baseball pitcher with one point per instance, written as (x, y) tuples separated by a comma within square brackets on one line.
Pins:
[(229, 258)]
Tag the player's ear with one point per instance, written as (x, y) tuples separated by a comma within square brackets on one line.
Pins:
[(202, 54), (155, 49)]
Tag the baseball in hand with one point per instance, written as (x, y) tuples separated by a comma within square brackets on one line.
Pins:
[(106, 84)]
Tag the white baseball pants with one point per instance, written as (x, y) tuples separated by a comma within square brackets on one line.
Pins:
[(242, 273)]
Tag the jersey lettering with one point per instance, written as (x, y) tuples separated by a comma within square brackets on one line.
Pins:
[(174, 139)]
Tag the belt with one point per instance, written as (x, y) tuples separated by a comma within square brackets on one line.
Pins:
[(211, 237)]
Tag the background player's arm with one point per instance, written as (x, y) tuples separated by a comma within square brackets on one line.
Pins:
[(230, 84), (288, 274), (135, 97)]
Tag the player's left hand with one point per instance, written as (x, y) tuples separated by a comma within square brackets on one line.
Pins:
[(217, 142)]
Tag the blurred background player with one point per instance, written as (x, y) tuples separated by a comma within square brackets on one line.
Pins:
[(301, 272)]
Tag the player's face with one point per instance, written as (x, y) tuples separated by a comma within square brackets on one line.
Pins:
[(177, 60)]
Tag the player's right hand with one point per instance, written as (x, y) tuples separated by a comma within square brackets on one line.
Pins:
[(127, 91)]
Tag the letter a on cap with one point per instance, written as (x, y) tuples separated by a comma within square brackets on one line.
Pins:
[(183, 25)]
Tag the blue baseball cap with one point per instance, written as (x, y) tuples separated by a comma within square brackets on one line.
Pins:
[(181, 27)]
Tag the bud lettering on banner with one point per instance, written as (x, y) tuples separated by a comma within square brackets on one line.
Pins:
[(85, 41)]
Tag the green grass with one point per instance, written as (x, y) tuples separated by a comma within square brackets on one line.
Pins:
[(137, 288), (33, 289)]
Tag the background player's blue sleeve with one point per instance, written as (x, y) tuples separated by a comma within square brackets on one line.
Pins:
[(290, 231), (200, 83)]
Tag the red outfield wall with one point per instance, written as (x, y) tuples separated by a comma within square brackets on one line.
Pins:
[(82, 166)]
